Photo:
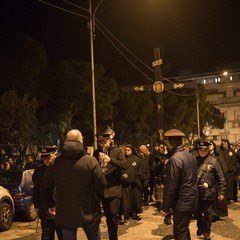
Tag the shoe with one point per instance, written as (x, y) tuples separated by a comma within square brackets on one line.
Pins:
[(136, 217), (126, 222), (167, 221), (145, 203), (199, 232), (206, 236), (151, 199), (121, 222)]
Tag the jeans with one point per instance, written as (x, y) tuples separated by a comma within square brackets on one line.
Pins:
[(92, 232)]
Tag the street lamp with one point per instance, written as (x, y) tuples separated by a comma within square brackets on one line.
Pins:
[(91, 29)]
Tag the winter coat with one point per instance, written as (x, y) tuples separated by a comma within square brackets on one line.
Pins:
[(180, 192), (213, 176), (77, 180)]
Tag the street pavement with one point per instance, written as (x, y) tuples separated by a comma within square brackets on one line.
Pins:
[(150, 227)]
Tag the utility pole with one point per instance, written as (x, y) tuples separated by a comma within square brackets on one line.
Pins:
[(158, 88), (93, 76)]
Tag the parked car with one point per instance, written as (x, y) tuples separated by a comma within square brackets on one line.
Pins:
[(6, 209), (20, 186)]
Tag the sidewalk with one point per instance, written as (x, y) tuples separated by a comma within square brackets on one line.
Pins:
[(151, 227)]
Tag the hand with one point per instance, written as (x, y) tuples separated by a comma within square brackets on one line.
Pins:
[(37, 211), (104, 158), (163, 214), (52, 211), (220, 197)]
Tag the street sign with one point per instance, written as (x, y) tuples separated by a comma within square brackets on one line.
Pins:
[(157, 63), (158, 86)]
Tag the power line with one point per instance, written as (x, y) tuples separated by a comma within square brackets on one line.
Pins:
[(63, 9), (124, 54)]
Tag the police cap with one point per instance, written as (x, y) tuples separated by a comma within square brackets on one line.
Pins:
[(47, 150), (203, 144), (103, 136)]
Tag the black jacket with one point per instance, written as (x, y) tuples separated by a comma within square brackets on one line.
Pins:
[(213, 176), (78, 181), (39, 192), (180, 192), (114, 172)]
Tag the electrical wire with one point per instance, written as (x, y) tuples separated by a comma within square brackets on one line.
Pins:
[(133, 64), (63, 9), (181, 94), (118, 41)]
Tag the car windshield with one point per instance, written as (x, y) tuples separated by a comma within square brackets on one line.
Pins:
[(10, 178)]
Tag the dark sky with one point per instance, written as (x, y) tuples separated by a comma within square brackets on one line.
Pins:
[(193, 34)]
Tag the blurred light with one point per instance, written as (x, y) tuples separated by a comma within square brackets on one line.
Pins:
[(225, 73), (231, 78)]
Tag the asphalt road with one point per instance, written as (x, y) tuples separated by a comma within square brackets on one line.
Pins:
[(150, 227)]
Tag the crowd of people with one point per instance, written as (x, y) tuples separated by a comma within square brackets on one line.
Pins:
[(73, 189)]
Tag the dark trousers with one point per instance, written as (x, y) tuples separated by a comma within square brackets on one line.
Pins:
[(92, 232), (48, 229), (203, 216), (125, 208), (145, 189), (181, 222), (110, 208)]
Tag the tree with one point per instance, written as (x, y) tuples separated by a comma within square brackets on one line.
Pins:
[(21, 60), (67, 96), (130, 120), (18, 117)]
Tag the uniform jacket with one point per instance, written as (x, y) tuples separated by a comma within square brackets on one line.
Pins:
[(114, 172), (77, 180), (39, 192), (180, 192), (213, 176)]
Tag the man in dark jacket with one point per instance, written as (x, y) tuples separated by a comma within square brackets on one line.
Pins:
[(210, 179), (48, 154), (113, 162), (76, 182), (180, 192)]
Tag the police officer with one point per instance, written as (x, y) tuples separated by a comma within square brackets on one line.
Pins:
[(112, 160), (210, 176), (48, 154)]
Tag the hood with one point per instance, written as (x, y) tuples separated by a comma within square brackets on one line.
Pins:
[(72, 150)]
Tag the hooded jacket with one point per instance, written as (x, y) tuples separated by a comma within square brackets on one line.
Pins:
[(74, 184)]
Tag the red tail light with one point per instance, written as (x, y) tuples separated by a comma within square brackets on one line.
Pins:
[(19, 195)]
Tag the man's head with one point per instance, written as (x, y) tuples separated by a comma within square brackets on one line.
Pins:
[(128, 150), (174, 138), (74, 135), (48, 154), (104, 140), (144, 150), (203, 148), (225, 144)]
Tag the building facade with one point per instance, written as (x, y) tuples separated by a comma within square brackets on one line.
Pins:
[(223, 92)]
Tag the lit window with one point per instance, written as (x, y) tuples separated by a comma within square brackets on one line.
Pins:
[(219, 79), (231, 78)]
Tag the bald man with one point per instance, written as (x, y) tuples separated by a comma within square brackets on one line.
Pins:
[(79, 183)]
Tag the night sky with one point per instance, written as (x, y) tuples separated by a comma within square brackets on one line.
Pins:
[(202, 35)]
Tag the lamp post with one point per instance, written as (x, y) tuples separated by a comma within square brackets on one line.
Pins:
[(91, 30), (93, 76)]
